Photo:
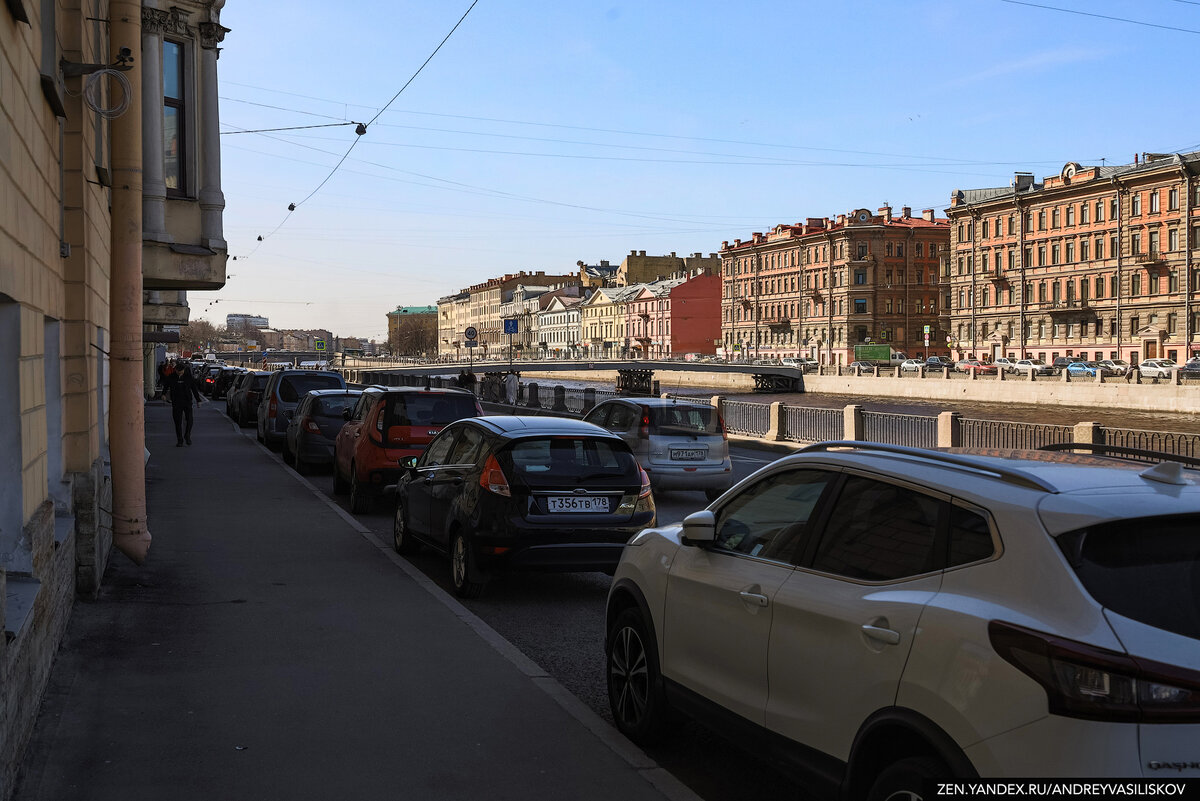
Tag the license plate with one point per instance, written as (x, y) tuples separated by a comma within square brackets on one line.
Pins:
[(689, 454), (576, 504)]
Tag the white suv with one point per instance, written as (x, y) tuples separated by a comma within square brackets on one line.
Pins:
[(876, 616)]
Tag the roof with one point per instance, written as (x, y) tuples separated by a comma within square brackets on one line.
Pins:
[(413, 310), (336, 391), (515, 425)]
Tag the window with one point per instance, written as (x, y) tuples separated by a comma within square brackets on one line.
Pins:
[(1135, 284), (1084, 213), (1173, 281), (769, 519), (1173, 199), (1054, 218), (1099, 211), (884, 533), (1154, 202), (1071, 214), (860, 276), (174, 120), (1099, 248), (1173, 239), (1112, 209), (1054, 254), (1042, 220), (1113, 287), (860, 306), (1085, 250)]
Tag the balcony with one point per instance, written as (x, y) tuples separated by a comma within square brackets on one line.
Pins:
[(1072, 306), (175, 266), (863, 260), (778, 323), (997, 277), (1149, 259)]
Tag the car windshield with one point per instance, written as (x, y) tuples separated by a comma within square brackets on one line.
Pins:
[(332, 405), (553, 461), (1037, 362), (292, 387), (684, 419), (1147, 570), (428, 408)]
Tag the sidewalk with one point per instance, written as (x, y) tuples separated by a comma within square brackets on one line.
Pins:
[(272, 648)]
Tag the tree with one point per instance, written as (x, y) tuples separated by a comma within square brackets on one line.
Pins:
[(415, 335), (199, 335)]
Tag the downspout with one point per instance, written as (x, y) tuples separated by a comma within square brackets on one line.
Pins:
[(1116, 182), (1187, 257), (974, 215), (131, 534)]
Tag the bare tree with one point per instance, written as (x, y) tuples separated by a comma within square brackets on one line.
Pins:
[(415, 336), (199, 335)]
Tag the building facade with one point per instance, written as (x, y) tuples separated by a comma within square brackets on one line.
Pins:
[(1094, 262), (559, 329), (638, 268), (69, 272), (818, 288)]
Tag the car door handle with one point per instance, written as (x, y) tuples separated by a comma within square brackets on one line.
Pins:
[(881, 634), (755, 598)]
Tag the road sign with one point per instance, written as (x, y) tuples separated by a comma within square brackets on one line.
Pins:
[(927, 330), (319, 344), (471, 333), (510, 326)]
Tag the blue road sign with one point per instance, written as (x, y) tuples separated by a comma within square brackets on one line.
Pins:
[(510, 326)]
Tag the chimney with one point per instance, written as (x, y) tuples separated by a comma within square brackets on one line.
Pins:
[(841, 219), (886, 213), (672, 254), (641, 253), (927, 215), (906, 212), (1022, 181)]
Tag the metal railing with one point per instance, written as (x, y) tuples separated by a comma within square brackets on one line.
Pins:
[(753, 419), (1010, 435), (809, 424), (1165, 441), (900, 429)]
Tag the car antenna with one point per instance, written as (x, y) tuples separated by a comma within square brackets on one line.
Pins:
[(1167, 473)]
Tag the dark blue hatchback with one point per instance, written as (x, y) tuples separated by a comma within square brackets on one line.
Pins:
[(314, 425)]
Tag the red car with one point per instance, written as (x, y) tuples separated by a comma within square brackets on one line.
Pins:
[(385, 426), (975, 366)]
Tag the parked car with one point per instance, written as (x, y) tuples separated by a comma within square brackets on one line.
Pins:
[(1035, 366), (1190, 368), (877, 616), (1006, 364), (1118, 366), (975, 366), (225, 379), (1087, 369), (207, 377), (1157, 368), (938, 364), (1061, 363), (386, 425), (242, 399), (912, 365), (861, 368), (497, 494), (682, 445), (283, 391), (314, 425)]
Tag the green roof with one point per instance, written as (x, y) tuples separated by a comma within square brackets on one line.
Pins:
[(413, 310)]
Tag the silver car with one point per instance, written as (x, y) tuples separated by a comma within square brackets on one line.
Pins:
[(682, 445)]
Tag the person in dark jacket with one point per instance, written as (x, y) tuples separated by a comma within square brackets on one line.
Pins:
[(180, 388)]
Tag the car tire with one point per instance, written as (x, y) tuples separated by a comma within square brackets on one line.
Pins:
[(635, 693), (340, 485), (905, 779), (402, 541), (462, 567), (360, 499)]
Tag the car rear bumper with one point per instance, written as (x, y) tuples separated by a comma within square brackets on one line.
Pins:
[(698, 477), (551, 558), (315, 452)]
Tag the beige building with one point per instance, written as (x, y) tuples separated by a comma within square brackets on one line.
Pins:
[(638, 268), (1095, 262), (73, 128)]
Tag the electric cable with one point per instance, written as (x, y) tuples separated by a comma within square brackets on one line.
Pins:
[(93, 89)]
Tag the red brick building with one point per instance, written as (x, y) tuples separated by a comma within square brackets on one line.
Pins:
[(819, 288)]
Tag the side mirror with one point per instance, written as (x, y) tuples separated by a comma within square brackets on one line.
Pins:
[(700, 527), (409, 463)]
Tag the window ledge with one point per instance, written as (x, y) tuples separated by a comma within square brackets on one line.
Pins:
[(20, 594)]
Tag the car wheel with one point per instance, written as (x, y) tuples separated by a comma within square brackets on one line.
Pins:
[(635, 695), (360, 499), (402, 541), (462, 566), (905, 779), (340, 485)]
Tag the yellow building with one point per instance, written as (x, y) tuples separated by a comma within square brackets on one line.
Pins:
[(73, 108)]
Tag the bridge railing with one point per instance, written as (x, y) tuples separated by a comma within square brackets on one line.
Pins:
[(900, 429), (741, 417), (1007, 434)]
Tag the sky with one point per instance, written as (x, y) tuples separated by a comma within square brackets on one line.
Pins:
[(541, 134)]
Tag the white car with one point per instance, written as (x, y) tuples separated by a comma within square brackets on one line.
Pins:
[(1036, 366), (1157, 368), (1006, 364), (912, 365), (1118, 366), (876, 616)]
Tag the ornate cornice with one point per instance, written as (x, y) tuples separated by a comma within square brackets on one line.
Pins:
[(157, 21), (212, 34)]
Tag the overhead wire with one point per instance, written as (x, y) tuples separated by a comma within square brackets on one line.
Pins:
[(1100, 16)]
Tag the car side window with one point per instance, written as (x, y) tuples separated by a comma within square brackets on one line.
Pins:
[(770, 519), (970, 537), (438, 450), (466, 448), (879, 532), (598, 415), (360, 408), (620, 418)]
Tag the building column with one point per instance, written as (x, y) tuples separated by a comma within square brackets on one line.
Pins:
[(212, 199), (154, 186)]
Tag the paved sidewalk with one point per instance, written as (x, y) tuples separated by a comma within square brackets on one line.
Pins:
[(271, 648)]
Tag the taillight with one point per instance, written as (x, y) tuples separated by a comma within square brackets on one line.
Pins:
[(721, 425), (271, 408), (644, 492), (311, 426), (493, 479), (644, 427), (1083, 681)]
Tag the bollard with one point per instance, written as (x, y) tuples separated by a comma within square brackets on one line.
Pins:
[(531, 397), (589, 399), (852, 423), (776, 428), (560, 399), (949, 429)]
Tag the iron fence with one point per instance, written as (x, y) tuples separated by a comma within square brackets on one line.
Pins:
[(1010, 435), (900, 429), (809, 424), (747, 418), (1163, 441)]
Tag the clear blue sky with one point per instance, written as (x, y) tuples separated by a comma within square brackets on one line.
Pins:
[(544, 133)]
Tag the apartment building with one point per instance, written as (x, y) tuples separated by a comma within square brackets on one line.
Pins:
[(638, 268), (92, 264), (1094, 262), (820, 287), (560, 328)]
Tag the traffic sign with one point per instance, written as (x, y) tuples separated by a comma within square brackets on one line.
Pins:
[(319, 344), (927, 329), (510, 326), (471, 332)]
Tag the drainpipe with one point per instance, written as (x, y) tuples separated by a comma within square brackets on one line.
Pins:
[(1187, 257), (131, 536), (1024, 298), (1116, 182)]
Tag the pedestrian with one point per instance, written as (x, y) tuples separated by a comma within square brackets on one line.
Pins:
[(1129, 373), (180, 387), (511, 388)]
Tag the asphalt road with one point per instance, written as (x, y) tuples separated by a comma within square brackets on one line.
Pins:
[(557, 620)]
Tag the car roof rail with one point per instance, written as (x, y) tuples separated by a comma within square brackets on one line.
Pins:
[(1123, 451), (1009, 474)]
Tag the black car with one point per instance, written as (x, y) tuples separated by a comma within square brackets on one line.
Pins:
[(522, 493), (938, 363), (1062, 362), (1190, 368), (242, 399), (314, 425), (225, 379)]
